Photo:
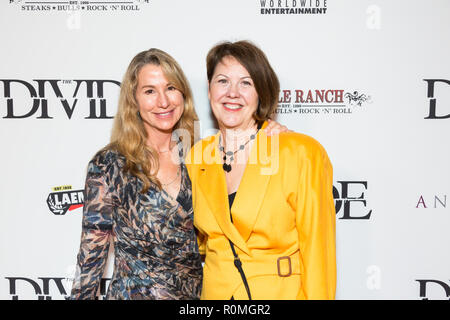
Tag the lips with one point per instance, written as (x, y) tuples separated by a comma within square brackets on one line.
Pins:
[(164, 115), (232, 106)]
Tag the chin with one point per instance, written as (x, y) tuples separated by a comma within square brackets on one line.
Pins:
[(162, 126), (235, 123), (167, 127), (229, 124), (235, 119)]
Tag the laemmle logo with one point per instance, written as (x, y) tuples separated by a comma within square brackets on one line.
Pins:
[(79, 5), (444, 98), (321, 101), (288, 7), (36, 98), (65, 199), (437, 289), (350, 201)]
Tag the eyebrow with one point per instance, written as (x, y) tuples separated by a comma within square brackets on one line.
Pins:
[(220, 74), (152, 86)]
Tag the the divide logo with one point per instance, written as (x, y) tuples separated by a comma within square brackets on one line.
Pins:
[(439, 288), (46, 288), (350, 200), (36, 98), (443, 111)]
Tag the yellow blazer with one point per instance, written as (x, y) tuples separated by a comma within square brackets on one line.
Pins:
[(283, 214)]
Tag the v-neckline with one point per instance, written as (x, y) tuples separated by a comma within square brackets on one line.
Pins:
[(168, 197), (179, 189), (252, 149)]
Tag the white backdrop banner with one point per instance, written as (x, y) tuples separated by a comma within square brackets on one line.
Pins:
[(370, 80)]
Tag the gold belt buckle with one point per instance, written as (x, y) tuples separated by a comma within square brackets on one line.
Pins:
[(279, 269)]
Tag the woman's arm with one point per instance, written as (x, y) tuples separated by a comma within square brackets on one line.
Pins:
[(95, 235), (316, 220)]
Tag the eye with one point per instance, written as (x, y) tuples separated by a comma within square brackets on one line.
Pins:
[(149, 91), (222, 81), (171, 88)]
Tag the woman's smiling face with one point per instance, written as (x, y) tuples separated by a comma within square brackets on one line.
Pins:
[(160, 103), (232, 95)]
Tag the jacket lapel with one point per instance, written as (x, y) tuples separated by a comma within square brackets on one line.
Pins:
[(213, 185), (251, 191), (252, 188)]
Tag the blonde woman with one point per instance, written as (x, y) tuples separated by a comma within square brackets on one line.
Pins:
[(139, 194)]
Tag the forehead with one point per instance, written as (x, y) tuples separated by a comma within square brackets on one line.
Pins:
[(230, 65), (151, 74)]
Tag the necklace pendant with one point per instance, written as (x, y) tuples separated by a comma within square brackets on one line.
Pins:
[(226, 167)]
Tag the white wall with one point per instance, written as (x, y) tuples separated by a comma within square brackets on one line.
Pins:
[(384, 151)]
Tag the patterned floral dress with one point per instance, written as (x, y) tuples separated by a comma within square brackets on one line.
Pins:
[(155, 248)]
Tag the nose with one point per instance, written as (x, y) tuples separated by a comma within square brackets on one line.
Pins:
[(163, 101), (233, 90)]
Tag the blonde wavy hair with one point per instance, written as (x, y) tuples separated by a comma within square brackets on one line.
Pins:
[(129, 136)]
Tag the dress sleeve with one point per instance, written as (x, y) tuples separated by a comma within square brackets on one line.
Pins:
[(316, 224), (96, 231)]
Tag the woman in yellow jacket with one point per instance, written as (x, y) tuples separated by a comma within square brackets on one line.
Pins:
[(263, 206)]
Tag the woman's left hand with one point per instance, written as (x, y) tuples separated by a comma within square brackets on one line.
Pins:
[(274, 128)]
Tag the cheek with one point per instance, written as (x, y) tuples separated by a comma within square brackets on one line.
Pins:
[(181, 108), (252, 99), (144, 102), (215, 94), (177, 99)]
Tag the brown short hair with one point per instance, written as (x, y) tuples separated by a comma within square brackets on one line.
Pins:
[(255, 61)]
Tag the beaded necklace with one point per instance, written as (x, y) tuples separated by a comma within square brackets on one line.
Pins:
[(227, 166)]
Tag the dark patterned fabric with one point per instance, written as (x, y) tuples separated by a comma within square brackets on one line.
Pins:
[(155, 249)]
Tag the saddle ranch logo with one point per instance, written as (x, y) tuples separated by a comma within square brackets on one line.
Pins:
[(321, 101), (79, 5), (64, 199)]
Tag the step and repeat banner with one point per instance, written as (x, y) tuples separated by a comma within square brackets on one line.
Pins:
[(370, 80)]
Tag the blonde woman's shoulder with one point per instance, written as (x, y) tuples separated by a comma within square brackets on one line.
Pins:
[(107, 157)]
